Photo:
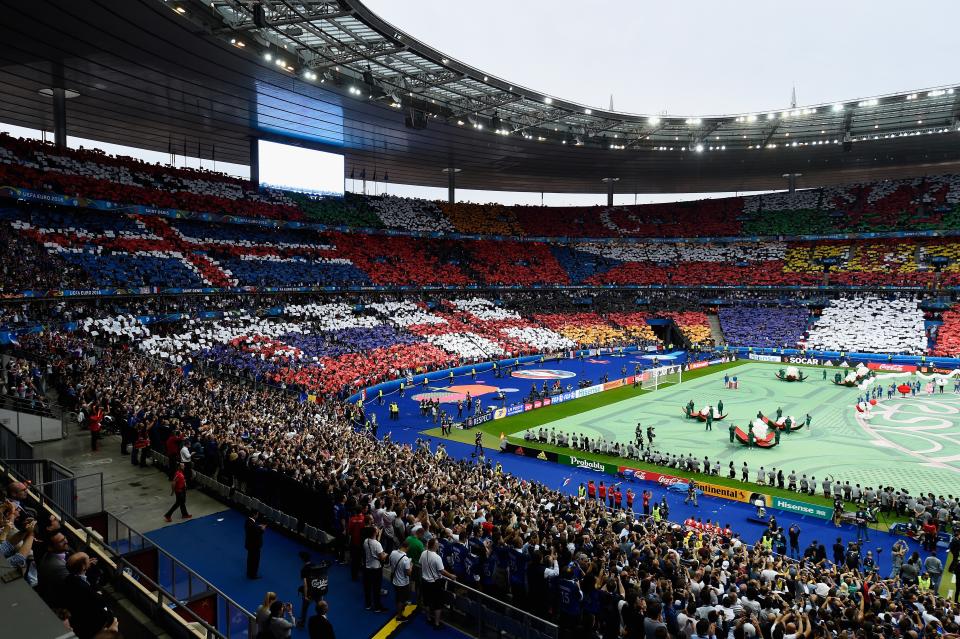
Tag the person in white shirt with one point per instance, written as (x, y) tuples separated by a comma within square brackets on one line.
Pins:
[(431, 569), (373, 557), (185, 458), (401, 566)]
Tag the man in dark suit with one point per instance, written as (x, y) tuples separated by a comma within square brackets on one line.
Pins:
[(52, 570), (89, 613), (253, 542), (319, 626)]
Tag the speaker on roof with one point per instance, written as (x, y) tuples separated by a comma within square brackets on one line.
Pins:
[(415, 119), (259, 16)]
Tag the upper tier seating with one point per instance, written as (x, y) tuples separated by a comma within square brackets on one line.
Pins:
[(870, 324), (932, 202), (112, 249), (94, 174)]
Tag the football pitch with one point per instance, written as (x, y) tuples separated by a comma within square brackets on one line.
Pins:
[(911, 442)]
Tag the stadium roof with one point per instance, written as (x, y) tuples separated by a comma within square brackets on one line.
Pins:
[(333, 75)]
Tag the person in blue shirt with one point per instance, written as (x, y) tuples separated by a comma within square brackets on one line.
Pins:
[(517, 567), (569, 597)]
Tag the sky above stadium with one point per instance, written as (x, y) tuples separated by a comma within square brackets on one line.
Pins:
[(694, 57)]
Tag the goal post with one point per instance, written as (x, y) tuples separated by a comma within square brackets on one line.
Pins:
[(661, 376)]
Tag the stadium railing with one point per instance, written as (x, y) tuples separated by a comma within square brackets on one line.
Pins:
[(31, 421), (171, 594), (12, 446), (470, 610), (480, 615)]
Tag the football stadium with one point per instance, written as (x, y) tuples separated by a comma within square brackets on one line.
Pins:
[(316, 321)]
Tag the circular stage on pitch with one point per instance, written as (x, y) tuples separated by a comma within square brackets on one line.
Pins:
[(441, 396), (453, 394), (543, 373)]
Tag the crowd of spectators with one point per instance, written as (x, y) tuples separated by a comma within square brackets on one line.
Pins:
[(870, 324), (948, 334), (763, 326), (566, 557), (75, 248), (69, 581), (91, 173), (890, 205), (335, 347)]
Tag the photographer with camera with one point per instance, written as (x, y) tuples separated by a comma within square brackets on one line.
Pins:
[(280, 623)]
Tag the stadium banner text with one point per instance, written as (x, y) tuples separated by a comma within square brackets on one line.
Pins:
[(713, 490), (810, 361), (893, 368), (802, 508), (587, 464)]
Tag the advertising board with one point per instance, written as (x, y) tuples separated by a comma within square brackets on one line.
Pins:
[(802, 508)]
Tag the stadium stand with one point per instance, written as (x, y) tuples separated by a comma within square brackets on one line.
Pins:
[(870, 324), (694, 325), (948, 334), (892, 205), (236, 329), (763, 326), (322, 437), (94, 174)]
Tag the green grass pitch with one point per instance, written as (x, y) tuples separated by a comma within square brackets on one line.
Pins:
[(911, 442)]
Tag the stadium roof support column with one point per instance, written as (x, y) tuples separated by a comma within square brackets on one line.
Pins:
[(255, 159), (451, 184), (60, 117), (791, 179), (610, 181)]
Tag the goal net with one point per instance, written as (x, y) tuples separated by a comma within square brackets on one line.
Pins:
[(662, 376)]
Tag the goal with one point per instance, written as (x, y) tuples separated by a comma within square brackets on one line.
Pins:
[(662, 376)]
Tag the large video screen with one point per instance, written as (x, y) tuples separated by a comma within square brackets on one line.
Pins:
[(300, 169)]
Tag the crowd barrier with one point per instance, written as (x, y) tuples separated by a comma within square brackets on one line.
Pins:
[(480, 615), (189, 608), (32, 422)]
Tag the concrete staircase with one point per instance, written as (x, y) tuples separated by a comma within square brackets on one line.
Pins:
[(715, 331)]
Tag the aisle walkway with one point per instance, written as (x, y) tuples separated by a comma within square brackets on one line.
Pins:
[(138, 496)]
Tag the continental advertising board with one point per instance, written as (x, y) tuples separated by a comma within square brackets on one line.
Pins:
[(733, 493), (713, 490)]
